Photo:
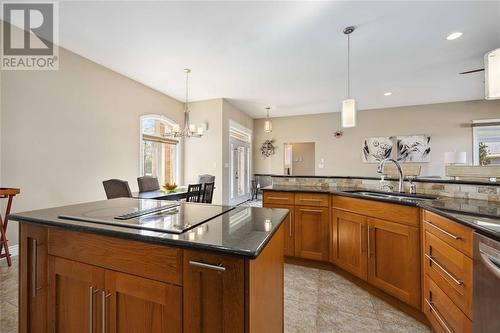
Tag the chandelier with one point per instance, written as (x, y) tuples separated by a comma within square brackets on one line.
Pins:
[(189, 130)]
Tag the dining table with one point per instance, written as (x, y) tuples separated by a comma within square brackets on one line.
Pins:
[(163, 194)]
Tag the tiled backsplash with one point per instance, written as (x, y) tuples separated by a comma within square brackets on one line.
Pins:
[(480, 192)]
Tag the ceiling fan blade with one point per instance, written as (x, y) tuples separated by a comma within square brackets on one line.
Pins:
[(473, 71)]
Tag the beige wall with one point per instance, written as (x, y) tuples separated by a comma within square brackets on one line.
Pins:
[(204, 155), (64, 132), (447, 123), (303, 158)]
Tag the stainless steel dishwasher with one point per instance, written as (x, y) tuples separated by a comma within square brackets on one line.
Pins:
[(486, 293)]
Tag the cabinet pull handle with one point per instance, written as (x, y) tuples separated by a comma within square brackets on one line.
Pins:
[(434, 261), (441, 321), (91, 309), (313, 200), (34, 274), (290, 224), (218, 268), (369, 246), (278, 198), (311, 210), (104, 302), (360, 238), (444, 231)]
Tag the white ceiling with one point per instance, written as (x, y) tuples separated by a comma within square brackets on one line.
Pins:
[(290, 55)]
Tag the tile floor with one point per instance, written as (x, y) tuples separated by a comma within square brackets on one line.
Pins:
[(315, 301), (8, 296)]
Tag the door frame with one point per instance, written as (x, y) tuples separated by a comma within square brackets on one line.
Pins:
[(238, 134)]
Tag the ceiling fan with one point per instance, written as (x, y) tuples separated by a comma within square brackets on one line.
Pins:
[(472, 71)]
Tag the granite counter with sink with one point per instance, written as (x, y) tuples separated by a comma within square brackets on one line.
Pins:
[(481, 215)]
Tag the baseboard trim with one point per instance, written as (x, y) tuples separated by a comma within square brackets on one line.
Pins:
[(14, 250)]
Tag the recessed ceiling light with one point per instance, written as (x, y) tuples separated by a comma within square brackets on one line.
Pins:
[(454, 35), (388, 93)]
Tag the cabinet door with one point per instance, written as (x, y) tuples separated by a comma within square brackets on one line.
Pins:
[(213, 293), (394, 265), (136, 304), (73, 296), (311, 232), (348, 242), (33, 279), (289, 229)]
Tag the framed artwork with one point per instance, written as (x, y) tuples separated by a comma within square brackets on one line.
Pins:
[(413, 148), (376, 149)]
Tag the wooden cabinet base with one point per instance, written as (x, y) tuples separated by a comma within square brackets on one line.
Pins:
[(65, 290)]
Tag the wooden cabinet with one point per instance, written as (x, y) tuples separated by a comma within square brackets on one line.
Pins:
[(213, 299), (393, 255), (73, 290), (33, 291), (86, 298), (311, 237), (348, 242), (135, 304), (289, 229)]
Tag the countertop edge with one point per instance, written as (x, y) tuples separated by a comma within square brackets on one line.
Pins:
[(150, 239)]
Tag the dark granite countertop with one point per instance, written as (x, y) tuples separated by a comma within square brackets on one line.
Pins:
[(243, 231), (481, 215), (422, 179)]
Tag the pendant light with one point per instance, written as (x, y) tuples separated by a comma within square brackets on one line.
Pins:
[(268, 125), (189, 130), (492, 74), (349, 104)]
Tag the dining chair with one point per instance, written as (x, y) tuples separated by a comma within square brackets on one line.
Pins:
[(194, 193), (206, 178), (117, 188), (208, 192), (148, 183)]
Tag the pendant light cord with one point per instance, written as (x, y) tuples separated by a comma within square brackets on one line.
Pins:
[(348, 66), (187, 78)]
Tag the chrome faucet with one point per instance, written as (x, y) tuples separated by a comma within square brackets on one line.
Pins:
[(380, 169)]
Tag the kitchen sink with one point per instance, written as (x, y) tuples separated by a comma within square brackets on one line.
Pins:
[(392, 195)]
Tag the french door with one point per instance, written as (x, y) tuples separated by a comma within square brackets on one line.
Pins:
[(239, 171)]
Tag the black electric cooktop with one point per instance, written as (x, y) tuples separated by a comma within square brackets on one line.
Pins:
[(154, 215)]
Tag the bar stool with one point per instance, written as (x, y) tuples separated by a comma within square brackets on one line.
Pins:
[(6, 193)]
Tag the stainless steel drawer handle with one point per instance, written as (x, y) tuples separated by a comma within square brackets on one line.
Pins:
[(311, 210), (218, 268), (444, 231), (34, 275), (436, 314), (290, 225), (434, 261), (314, 200), (277, 198), (104, 300)]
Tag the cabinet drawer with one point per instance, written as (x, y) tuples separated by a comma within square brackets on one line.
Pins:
[(312, 199), (454, 234), (281, 198), (443, 314), (157, 262), (450, 269)]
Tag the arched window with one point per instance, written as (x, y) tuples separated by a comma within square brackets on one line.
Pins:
[(159, 155)]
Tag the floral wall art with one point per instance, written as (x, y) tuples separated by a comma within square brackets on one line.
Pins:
[(413, 148), (376, 149)]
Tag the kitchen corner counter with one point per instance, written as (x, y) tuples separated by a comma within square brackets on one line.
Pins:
[(481, 215)]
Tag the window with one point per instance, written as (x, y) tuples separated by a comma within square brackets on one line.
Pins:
[(486, 141), (159, 155)]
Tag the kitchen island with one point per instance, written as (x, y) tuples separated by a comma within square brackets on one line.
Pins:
[(98, 267)]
